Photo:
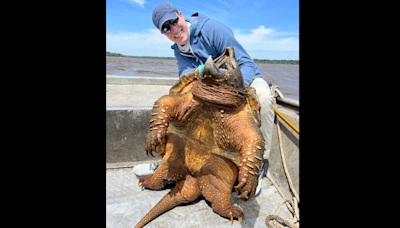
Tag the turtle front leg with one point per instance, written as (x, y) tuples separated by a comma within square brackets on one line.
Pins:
[(159, 120), (175, 109), (245, 137), (250, 164)]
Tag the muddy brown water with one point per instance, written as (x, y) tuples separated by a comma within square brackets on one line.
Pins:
[(283, 75)]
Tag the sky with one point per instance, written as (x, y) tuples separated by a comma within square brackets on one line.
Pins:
[(267, 29)]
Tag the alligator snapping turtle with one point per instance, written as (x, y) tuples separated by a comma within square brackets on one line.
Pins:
[(207, 131)]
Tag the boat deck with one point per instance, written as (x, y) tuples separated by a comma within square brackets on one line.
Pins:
[(131, 91), (126, 205)]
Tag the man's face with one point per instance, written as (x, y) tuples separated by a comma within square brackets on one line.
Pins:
[(179, 32)]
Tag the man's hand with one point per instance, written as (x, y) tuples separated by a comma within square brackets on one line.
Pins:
[(199, 68)]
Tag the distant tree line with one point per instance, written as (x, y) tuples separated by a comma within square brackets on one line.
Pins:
[(141, 57), (277, 61), (114, 54), (152, 57), (173, 58)]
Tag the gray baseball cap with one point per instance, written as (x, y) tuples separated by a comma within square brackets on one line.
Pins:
[(163, 12)]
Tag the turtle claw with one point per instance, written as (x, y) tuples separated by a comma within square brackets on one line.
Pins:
[(153, 148), (239, 185), (149, 152), (244, 194), (235, 212), (145, 182), (153, 139)]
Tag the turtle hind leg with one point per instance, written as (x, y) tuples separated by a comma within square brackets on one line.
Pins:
[(172, 166), (219, 196), (216, 182), (185, 191)]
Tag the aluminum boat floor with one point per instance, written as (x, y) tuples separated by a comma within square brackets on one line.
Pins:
[(126, 205)]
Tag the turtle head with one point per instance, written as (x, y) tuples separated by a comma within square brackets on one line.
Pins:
[(223, 70)]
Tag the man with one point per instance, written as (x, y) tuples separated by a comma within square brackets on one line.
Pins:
[(195, 39)]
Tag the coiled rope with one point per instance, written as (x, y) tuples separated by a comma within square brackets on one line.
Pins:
[(293, 222)]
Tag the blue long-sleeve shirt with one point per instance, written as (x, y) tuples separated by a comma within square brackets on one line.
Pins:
[(210, 37)]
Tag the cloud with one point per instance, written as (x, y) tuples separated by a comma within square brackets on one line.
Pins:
[(134, 2), (148, 43), (262, 41)]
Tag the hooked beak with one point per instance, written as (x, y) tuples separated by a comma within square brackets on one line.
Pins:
[(211, 69)]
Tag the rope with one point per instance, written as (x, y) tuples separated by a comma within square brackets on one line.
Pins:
[(280, 192), (279, 218), (284, 164), (291, 222)]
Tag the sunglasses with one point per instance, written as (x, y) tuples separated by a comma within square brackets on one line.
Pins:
[(166, 28)]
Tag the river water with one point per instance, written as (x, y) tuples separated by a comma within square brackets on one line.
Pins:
[(283, 75)]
